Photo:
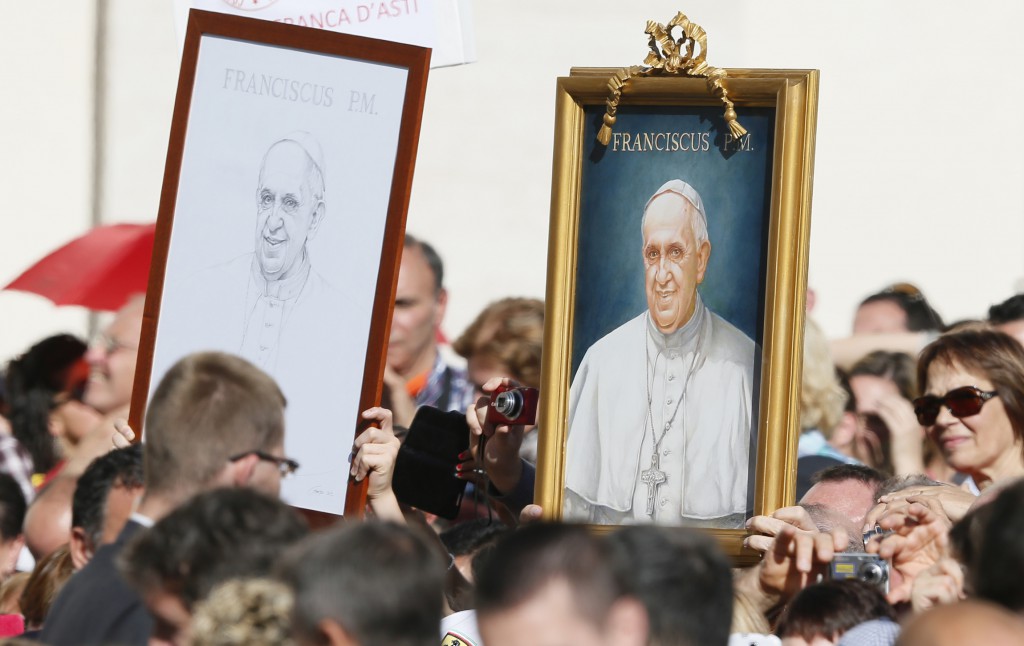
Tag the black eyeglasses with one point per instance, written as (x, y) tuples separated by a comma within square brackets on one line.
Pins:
[(961, 402), (286, 466)]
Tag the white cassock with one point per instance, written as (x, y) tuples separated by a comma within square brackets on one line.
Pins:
[(302, 331), (295, 329), (628, 395), (279, 312), (282, 326)]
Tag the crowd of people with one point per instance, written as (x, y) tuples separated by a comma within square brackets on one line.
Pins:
[(906, 528)]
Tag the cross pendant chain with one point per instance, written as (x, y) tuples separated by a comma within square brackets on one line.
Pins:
[(653, 478)]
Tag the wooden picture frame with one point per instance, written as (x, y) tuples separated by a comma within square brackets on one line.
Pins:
[(756, 197), (281, 223)]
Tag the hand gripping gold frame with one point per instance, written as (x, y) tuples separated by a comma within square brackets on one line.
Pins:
[(794, 95)]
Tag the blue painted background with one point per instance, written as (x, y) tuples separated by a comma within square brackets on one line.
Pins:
[(735, 188)]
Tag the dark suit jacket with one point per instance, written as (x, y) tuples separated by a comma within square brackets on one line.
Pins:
[(97, 606)]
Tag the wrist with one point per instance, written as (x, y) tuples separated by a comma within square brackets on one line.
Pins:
[(749, 587), (385, 506), (505, 474)]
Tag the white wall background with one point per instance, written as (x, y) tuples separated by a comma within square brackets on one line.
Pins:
[(918, 174), (46, 126)]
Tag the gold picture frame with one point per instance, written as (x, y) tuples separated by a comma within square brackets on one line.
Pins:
[(781, 102)]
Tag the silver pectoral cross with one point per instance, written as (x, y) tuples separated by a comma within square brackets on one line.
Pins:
[(653, 478)]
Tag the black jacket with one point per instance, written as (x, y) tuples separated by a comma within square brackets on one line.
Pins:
[(97, 606)]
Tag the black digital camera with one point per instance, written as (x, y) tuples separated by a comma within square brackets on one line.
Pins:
[(869, 568)]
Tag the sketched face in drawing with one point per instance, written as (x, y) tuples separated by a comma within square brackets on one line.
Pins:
[(289, 208)]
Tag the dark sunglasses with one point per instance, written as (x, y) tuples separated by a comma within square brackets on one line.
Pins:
[(961, 402)]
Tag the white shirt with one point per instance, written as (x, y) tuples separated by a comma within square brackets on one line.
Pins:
[(145, 521), (460, 629)]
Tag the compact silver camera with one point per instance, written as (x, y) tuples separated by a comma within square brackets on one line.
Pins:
[(869, 568)]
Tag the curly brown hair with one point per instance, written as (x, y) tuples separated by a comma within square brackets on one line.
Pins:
[(510, 332)]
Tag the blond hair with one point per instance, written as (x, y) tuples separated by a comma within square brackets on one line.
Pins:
[(255, 612), (822, 398)]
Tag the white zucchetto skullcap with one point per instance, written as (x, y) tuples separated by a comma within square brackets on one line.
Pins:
[(682, 189), (308, 143)]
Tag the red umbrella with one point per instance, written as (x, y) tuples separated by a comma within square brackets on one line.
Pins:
[(98, 270)]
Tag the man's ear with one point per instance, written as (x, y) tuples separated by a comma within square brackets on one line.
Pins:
[(80, 547), (16, 544), (627, 623), (318, 216), (335, 634), (442, 305), (54, 425), (703, 255), (239, 472)]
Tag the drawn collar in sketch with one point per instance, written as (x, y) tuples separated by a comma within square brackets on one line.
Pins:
[(283, 289)]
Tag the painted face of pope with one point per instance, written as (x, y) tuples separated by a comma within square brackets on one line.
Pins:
[(289, 208), (674, 260)]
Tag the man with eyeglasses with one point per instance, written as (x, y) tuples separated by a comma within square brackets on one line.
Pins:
[(111, 356), (215, 420), (209, 418)]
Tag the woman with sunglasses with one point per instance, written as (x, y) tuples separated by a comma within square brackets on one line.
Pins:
[(973, 403)]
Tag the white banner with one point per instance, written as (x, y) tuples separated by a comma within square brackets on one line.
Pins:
[(443, 25)]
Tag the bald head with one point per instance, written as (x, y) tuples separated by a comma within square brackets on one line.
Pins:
[(849, 499), (967, 622), (48, 521)]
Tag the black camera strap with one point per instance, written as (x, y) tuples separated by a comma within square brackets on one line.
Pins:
[(482, 487)]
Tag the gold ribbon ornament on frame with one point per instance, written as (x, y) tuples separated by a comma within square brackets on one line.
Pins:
[(672, 56)]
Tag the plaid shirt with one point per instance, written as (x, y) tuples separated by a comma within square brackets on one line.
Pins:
[(447, 388), (17, 463)]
